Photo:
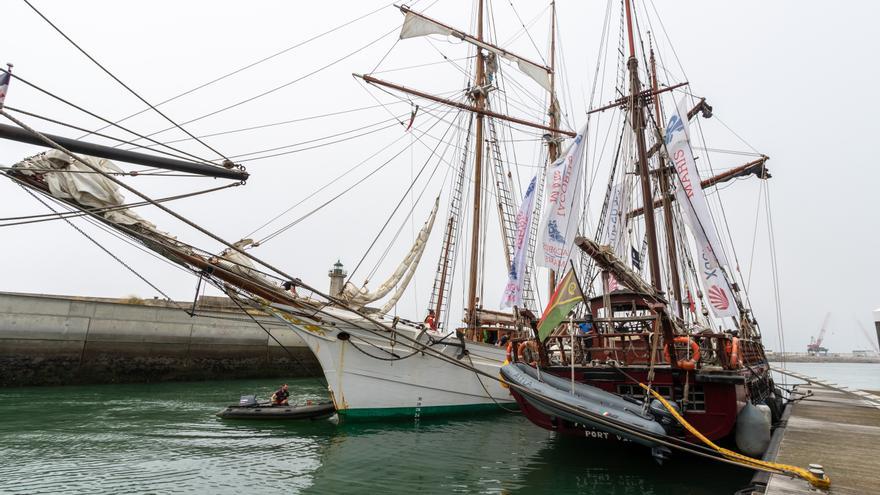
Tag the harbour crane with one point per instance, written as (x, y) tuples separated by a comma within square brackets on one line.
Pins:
[(815, 346)]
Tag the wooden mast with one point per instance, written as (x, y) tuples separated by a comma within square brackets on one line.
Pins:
[(479, 103), (553, 144), (664, 325), (638, 125), (664, 192)]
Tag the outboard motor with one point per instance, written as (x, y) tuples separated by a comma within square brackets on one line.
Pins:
[(248, 400), (664, 417)]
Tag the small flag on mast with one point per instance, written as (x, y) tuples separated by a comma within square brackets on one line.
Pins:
[(567, 296), (4, 83)]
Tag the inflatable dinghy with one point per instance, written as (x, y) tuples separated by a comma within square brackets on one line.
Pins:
[(249, 408), (619, 415)]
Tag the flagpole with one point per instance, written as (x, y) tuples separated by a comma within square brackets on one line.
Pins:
[(574, 274), (571, 319), (571, 333)]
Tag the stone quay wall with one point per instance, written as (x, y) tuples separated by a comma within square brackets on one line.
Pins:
[(59, 340)]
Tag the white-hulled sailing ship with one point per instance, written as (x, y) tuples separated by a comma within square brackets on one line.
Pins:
[(375, 364)]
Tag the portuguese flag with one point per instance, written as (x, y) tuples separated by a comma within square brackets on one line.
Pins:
[(566, 296)]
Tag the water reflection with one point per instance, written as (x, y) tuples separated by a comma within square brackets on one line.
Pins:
[(165, 438)]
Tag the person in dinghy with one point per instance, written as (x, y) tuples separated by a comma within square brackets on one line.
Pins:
[(279, 398)]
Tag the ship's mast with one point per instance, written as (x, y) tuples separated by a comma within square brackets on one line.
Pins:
[(479, 102), (667, 202), (553, 111), (478, 105), (638, 125)]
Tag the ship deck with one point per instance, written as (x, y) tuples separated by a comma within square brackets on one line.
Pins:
[(838, 430)]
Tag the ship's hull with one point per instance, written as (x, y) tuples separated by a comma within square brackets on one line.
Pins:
[(370, 374)]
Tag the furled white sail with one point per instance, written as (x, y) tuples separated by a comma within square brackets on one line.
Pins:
[(415, 25), (423, 240), (72, 180), (238, 263), (362, 296)]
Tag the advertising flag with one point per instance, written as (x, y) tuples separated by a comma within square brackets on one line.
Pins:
[(690, 196), (561, 211), (513, 292)]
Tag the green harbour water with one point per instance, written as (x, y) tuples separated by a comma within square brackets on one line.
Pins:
[(164, 438)]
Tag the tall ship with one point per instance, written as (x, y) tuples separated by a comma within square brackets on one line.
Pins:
[(650, 330)]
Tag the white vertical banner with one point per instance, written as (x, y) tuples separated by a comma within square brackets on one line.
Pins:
[(690, 196), (559, 222), (615, 220), (513, 292), (615, 227)]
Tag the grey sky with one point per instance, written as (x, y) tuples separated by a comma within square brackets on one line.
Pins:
[(787, 76)]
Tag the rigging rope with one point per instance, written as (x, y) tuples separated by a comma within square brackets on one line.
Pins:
[(408, 189), (175, 124), (96, 243), (526, 30), (123, 141), (315, 210), (284, 153), (326, 185), (321, 378), (277, 148), (274, 124), (409, 215), (282, 86), (195, 158), (72, 214), (824, 482), (248, 66)]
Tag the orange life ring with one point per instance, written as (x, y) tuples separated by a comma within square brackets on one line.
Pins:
[(686, 364), (508, 356), (532, 346), (733, 353)]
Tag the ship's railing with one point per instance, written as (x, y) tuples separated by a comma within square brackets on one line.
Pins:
[(495, 334), (625, 348), (633, 347)]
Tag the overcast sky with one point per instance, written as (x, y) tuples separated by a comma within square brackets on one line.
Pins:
[(789, 77)]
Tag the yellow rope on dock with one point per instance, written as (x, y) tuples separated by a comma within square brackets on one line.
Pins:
[(824, 482)]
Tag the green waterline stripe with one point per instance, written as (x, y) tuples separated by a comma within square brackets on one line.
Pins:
[(424, 411)]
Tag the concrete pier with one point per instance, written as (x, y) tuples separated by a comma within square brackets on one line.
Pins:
[(837, 429), (55, 340)]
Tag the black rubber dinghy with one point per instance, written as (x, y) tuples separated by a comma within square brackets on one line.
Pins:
[(319, 410), (544, 391)]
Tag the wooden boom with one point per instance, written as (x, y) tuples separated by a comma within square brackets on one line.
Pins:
[(463, 106)]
